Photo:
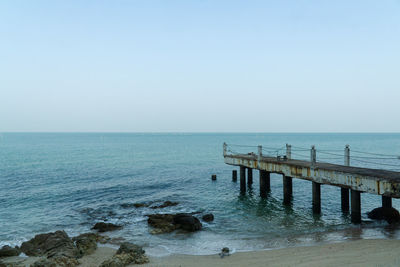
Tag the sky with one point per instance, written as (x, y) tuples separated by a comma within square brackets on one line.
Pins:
[(199, 66)]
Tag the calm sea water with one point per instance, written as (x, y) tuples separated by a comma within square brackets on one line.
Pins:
[(52, 181)]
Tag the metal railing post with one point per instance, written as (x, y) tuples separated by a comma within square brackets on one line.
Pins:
[(259, 153), (288, 151), (313, 155), (347, 155), (224, 147)]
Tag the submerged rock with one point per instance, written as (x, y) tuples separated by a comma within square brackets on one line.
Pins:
[(127, 253), (208, 217), (165, 204), (105, 227), (50, 245), (7, 251), (391, 215)]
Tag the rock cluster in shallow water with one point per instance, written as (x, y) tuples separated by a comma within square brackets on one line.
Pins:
[(166, 223), (391, 215)]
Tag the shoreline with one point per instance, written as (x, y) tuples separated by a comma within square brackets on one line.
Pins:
[(365, 252)]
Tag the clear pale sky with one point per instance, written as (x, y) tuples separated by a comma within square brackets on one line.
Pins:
[(199, 66)]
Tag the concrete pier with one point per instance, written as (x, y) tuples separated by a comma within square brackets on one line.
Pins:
[(355, 206), (316, 197), (242, 179), (265, 183), (249, 176), (352, 180), (234, 175), (287, 190)]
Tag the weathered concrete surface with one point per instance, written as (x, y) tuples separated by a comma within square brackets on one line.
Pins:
[(374, 181)]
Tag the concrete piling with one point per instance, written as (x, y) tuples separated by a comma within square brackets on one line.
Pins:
[(355, 206), (249, 176), (287, 190), (242, 179), (316, 197), (345, 201), (386, 202), (234, 175), (265, 183)]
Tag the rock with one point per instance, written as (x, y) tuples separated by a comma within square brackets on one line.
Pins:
[(162, 222), (105, 227), (165, 204), (50, 245), (187, 222), (166, 223), (43, 263), (7, 251), (86, 243), (127, 254), (64, 261), (214, 177), (224, 252), (391, 215), (208, 217)]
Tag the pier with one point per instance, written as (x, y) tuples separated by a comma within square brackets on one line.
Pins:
[(352, 180)]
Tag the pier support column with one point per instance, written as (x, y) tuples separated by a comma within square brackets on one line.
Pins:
[(345, 199), (386, 202), (316, 197), (234, 175), (355, 206), (265, 183), (242, 179), (287, 190), (249, 175)]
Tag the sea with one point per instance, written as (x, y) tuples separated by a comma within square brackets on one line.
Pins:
[(70, 181)]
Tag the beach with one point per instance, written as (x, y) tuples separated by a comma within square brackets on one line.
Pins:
[(372, 252)]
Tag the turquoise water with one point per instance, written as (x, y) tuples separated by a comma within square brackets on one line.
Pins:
[(52, 181)]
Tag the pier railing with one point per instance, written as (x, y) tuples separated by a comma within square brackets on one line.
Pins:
[(358, 158)]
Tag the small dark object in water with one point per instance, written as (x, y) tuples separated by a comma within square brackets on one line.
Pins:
[(214, 177), (224, 252), (208, 217)]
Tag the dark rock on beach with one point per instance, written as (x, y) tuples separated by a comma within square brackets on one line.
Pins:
[(86, 243), (105, 227), (127, 254), (43, 263), (166, 223), (50, 245), (208, 217), (391, 215), (7, 251)]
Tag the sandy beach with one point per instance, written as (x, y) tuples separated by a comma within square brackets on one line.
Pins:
[(354, 253), (377, 252)]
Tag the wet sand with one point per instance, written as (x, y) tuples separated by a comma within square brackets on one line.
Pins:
[(377, 252), (353, 253)]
